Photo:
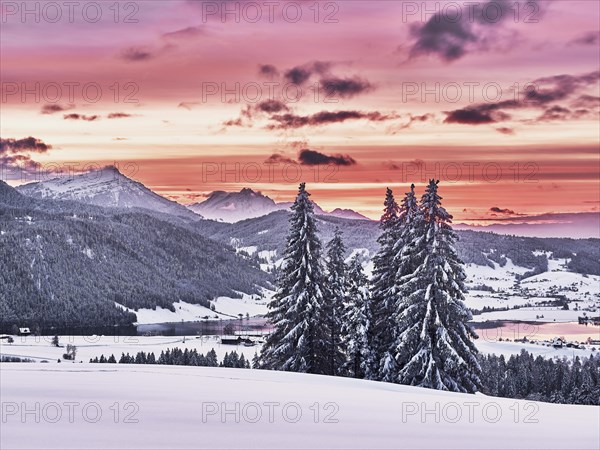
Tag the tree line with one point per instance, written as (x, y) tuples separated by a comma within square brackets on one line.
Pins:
[(178, 357), (542, 379)]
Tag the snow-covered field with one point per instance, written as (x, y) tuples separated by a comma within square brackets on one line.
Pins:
[(41, 348), (490, 346), (531, 314), (557, 280), (183, 311), (248, 304), (151, 407), (582, 290), (225, 308)]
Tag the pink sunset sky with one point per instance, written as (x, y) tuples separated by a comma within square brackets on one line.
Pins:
[(497, 99)]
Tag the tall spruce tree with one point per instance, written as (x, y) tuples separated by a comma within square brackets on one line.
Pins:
[(299, 340), (404, 262), (335, 293), (381, 283), (357, 322), (435, 348)]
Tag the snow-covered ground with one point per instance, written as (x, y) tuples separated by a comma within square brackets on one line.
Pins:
[(531, 314), (183, 311), (40, 348), (151, 407), (508, 292), (488, 345), (248, 304), (225, 308), (556, 281), (499, 278)]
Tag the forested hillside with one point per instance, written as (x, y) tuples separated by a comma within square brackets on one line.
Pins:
[(482, 248), (67, 263)]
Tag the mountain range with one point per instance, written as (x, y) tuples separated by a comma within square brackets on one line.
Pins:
[(110, 188), (91, 252), (575, 225)]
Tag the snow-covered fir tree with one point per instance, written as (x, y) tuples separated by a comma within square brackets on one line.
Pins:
[(435, 347), (357, 322), (299, 340), (335, 293), (404, 262), (381, 283)]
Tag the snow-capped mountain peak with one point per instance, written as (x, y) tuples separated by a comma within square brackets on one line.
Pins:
[(106, 187), (235, 206)]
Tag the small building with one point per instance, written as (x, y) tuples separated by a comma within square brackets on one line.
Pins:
[(24, 331), (231, 340), (557, 343), (235, 340)]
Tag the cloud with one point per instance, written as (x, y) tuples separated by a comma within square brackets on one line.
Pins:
[(554, 113), (188, 105), (587, 101), (51, 108), (271, 106), (249, 112), (308, 157), (471, 117), (446, 39), (497, 210), (185, 33), (559, 87), (75, 116), (560, 113), (268, 70), (411, 120), (14, 154), (301, 74), (285, 121), (297, 75), (136, 54), (480, 114), (539, 95), (505, 130), (119, 115), (591, 38), (28, 144), (234, 122), (451, 36), (345, 87), (276, 158)]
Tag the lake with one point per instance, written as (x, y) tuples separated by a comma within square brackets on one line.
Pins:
[(571, 331), (206, 327), (490, 331)]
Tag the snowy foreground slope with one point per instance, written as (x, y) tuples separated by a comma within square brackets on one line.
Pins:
[(197, 407)]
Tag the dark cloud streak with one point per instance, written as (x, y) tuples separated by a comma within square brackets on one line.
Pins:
[(286, 121), (308, 157)]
